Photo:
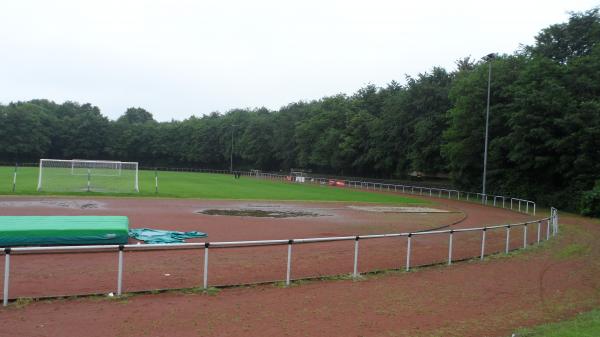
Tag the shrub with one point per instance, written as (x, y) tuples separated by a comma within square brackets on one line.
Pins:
[(590, 201)]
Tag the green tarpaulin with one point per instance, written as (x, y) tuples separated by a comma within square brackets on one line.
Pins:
[(162, 236), (62, 230)]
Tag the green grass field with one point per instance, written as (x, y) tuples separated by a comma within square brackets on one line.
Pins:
[(207, 186), (583, 325)]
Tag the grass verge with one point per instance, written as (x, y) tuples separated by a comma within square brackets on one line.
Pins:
[(583, 325)]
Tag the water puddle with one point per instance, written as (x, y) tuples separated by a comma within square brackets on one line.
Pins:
[(259, 213)]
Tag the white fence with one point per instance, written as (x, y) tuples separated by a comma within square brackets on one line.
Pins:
[(516, 204), (550, 223)]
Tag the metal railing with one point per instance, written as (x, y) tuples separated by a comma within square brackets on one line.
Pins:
[(515, 204), (551, 229)]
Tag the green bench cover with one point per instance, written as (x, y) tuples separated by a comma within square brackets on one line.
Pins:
[(62, 230)]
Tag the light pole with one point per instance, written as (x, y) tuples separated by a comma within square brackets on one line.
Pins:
[(231, 154), (488, 58)]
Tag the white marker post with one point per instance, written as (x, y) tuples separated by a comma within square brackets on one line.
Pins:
[(14, 186)]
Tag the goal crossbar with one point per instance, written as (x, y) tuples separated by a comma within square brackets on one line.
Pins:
[(90, 161)]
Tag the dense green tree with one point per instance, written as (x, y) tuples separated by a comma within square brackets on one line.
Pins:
[(25, 133), (544, 117), (284, 134), (427, 102), (319, 135), (84, 132), (136, 116), (590, 201), (565, 41), (256, 140)]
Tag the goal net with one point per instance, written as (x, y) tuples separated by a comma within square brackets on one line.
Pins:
[(77, 175), (105, 168)]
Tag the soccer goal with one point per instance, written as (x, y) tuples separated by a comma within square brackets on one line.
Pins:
[(78, 175)]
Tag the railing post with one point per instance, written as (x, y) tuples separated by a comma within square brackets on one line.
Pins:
[(450, 247), (539, 225), (120, 272), (527, 207), (525, 236), (483, 242), (289, 263), (507, 238), (408, 252), (548, 230), (553, 227), (534, 209), (355, 271), (6, 275), (554, 213), (205, 283)]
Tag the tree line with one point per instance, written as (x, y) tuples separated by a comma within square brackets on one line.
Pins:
[(544, 126)]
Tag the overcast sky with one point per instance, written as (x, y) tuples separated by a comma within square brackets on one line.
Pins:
[(181, 58)]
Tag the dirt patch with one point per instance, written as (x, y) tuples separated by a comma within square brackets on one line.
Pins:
[(395, 209), (71, 204), (259, 213)]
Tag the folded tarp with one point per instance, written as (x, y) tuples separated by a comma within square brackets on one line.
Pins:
[(62, 230), (163, 236)]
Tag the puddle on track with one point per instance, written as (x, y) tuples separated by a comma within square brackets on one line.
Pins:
[(56, 203), (259, 213)]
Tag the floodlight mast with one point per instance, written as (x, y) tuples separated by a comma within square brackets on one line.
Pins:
[(488, 58)]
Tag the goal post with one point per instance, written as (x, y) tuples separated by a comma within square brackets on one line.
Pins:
[(79, 175)]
